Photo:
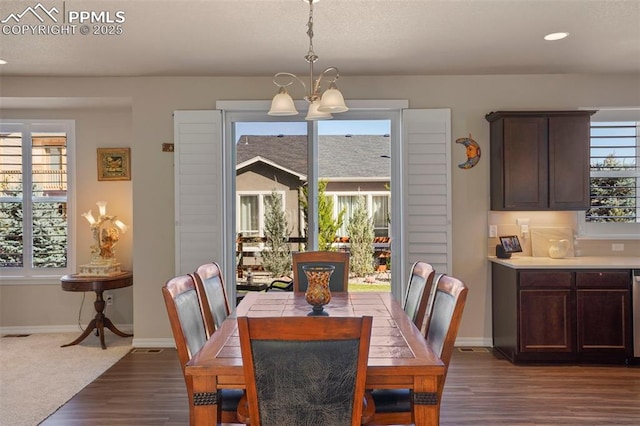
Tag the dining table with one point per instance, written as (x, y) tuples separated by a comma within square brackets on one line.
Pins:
[(398, 355)]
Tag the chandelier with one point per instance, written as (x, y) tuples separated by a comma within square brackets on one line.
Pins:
[(321, 105)]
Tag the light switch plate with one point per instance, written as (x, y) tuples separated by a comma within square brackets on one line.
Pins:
[(493, 231)]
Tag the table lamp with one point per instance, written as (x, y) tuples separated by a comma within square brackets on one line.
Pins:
[(106, 231)]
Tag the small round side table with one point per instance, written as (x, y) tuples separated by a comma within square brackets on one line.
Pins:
[(98, 284)]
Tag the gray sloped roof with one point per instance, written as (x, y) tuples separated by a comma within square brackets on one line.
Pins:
[(340, 157)]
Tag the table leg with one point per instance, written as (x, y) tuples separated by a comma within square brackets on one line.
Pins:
[(98, 323), (426, 401)]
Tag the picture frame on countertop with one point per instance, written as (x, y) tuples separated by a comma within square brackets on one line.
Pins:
[(511, 244), (114, 164)]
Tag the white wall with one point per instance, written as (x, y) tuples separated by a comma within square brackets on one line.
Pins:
[(154, 100)]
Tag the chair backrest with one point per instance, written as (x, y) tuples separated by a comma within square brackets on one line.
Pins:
[(450, 298), (430, 299), (213, 297), (305, 370), (339, 281), (185, 316), (418, 291)]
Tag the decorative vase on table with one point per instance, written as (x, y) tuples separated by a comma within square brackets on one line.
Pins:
[(318, 293)]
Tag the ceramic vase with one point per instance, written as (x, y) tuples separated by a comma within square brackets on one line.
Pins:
[(318, 293)]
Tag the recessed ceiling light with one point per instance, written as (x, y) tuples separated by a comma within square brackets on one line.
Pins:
[(2, 62), (555, 36)]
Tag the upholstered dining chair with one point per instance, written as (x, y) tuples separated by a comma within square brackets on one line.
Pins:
[(189, 334), (339, 280), (395, 406), (305, 370), (418, 292), (212, 295)]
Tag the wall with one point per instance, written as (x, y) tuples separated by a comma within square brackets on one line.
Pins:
[(33, 305), (469, 97)]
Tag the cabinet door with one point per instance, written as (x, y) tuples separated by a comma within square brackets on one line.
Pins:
[(603, 320), (525, 163), (604, 312), (546, 321), (569, 162)]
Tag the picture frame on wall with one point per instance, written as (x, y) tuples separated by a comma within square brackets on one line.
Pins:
[(114, 164)]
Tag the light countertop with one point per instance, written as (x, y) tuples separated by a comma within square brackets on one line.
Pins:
[(586, 262)]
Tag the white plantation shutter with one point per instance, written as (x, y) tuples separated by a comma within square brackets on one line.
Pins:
[(427, 188), (198, 189)]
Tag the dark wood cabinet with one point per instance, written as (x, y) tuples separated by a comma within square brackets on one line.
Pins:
[(562, 315), (603, 311), (539, 160)]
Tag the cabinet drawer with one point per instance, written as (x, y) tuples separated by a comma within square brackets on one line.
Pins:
[(545, 279), (603, 279)]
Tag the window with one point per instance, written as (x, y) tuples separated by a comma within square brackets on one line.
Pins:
[(250, 212), (615, 179), (34, 198), (377, 206)]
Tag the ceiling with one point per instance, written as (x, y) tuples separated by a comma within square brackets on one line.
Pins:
[(360, 37)]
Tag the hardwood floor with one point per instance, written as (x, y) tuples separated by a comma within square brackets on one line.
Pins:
[(147, 388)]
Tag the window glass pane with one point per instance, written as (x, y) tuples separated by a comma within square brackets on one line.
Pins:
[(49, 235), (249, 215), (49, 164), (11, 165), (347, 203), (11, 245), (380, 215), (615, 175)]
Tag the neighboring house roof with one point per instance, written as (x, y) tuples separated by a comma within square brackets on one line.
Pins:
[(351, 157), (274, 164)]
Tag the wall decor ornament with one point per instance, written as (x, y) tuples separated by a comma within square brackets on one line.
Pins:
[(473, 152), (114, 164)]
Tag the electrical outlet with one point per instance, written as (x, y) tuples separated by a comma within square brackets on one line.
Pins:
[(493, 231), (617, 247), (109, 299)]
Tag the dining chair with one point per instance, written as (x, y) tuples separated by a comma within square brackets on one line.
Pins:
[(305, 370), (395, 406), (418, 292), (339, 281), (187, 325), (212, 295), (281, 284)]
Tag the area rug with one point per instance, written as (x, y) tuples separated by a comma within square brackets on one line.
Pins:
[(37, 376)]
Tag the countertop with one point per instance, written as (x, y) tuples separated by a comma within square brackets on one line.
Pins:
[(586, 262)]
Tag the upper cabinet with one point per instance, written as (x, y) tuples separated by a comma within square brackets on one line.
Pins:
[(539, 160)]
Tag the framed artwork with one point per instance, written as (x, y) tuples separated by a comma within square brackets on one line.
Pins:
[(511, 244), (114, 164)]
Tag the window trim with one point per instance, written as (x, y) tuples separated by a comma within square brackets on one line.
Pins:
[(28, 275)]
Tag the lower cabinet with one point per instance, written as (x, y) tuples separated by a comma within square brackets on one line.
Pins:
[(562, 315)]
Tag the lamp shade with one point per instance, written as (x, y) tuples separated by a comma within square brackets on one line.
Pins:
[(332, 100), (282, 104), (314, 114)]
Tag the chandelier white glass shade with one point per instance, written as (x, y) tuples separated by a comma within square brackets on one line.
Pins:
[(106, 231), (321, 105)]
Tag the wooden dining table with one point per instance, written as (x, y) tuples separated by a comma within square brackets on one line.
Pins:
[(398, 356)]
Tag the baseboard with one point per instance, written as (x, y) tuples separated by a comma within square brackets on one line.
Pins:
[(153, 343), (486, 342)]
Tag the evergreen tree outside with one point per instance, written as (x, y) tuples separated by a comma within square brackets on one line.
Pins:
[(327, 225), (613, 199), (276, 258), (360, 231)]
